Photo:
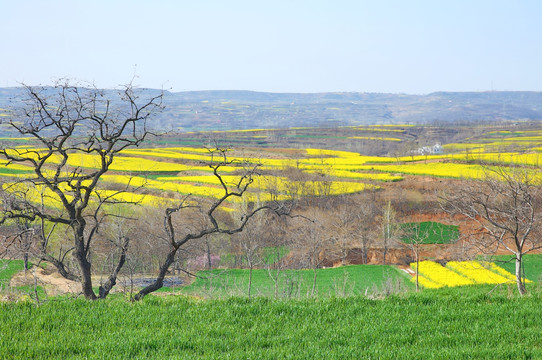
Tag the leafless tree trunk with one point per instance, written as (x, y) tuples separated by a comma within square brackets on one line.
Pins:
[(275, 265), (344, 218), (208, 253)]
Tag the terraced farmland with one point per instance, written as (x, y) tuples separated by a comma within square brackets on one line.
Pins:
[(183, 170)]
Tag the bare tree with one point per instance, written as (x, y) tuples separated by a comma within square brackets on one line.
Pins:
[(415, 235), (344, 222), (66, 122), (507, 205), (390, 229), (274, 261), (252, 239), (236, 191), (17, 239), (313, 239), (365, 227)]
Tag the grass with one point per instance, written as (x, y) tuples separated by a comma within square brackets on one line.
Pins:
[(341, 281), (443, 324), (430, 232), (8, 268)]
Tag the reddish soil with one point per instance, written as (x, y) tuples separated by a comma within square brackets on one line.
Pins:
[(465, 248)]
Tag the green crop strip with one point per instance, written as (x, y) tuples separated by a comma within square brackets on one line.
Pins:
[(341, 281), (429, 232)]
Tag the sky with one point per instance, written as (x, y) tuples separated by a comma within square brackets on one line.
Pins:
[(402, 46)]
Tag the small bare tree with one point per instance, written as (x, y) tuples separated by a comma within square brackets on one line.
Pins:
[(117, 235), (507, 205), (344, 222), (274, 260), (365, 228), (414, 236), (252, 239), (313, 239)]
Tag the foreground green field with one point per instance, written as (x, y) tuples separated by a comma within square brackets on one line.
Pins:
[(467, 322)]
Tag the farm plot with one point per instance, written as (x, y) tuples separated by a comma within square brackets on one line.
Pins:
[(460, 273), (341, 281), (429, 232)]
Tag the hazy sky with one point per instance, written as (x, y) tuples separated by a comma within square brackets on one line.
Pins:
[(403, 46)]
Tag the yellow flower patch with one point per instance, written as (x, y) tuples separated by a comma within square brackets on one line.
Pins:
[(460, 273), (476, 272), (426, 283), (440, 275), (439, 169), (358, 175)]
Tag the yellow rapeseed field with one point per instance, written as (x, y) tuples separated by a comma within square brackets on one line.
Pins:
[(358, 175), (333, 164), (426, 283), (125, 164), (267, 184), (440, 275), (184, 188), (41, 194), (477, 272), (438, 169), (460, 273)]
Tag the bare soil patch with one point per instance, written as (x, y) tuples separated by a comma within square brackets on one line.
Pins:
[(51, 281)]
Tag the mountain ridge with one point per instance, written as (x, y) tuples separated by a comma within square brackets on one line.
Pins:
[(244, 109)]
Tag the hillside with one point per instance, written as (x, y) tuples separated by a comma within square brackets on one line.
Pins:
[(225, 110)]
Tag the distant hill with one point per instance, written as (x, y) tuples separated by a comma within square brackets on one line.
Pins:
[(225, 110)]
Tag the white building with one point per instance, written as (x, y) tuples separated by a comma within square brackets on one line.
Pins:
[(430, 150)]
